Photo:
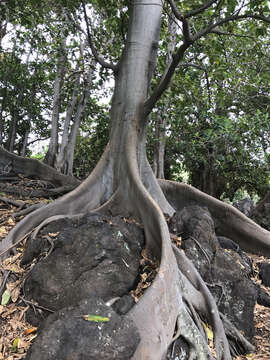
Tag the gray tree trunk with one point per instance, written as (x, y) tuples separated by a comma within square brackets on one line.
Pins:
[(50, 156), (161, 119), (78, 101)]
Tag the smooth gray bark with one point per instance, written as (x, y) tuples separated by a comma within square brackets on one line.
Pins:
[(161, 119), (50, 156), (65, 157)]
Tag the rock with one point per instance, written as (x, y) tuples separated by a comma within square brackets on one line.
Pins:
[(264, 273), (263, 298), (93, 256), (124, 304), (243, 258), (246, 206), (67, 335), (221, 263), (234, 293), (263, 217), (196, 227)]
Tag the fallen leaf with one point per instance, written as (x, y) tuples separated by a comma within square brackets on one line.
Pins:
[(30, 331), (15, 345), (5, 297), (11, 222), (209, 332), (96, 318)]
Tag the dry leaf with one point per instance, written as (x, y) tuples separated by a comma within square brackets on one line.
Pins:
[(11, 222), (30, 330)]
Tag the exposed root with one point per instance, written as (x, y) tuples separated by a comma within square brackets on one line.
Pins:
[(28, 210), (54, 218), (205, 302), (229, 221), (198, 347), (19, 204), (86, 197), (243, 346)]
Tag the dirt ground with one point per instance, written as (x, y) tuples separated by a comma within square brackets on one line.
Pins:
[(16, 334)]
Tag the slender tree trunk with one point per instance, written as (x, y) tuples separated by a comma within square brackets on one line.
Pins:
[(161, 120), (65, 157), (25, 142), (60, 161), (12, 132), (159, 148), (2, 121), (50, 156)]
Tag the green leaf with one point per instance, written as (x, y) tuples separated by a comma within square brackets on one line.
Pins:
[(15, 345), (5, 297), (96, 318)]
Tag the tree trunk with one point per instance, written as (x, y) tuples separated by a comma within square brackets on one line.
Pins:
[(65, 157), (159, 148), (161, 120), (60, 161), (2, 121), (50, 156), (123, 183), (12, 132), (25, 142)]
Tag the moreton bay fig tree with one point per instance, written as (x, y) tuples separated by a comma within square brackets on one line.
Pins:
[(123, 183)]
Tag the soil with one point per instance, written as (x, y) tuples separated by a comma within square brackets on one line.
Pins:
[(16, 335)]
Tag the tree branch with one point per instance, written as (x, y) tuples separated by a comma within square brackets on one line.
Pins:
[(98, 57), (166, 78), (186, 30), (200, 10), (211, 27), (189, 40), (219, 32), (175, 10)]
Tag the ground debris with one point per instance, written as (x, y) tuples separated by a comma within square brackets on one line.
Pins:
[(148, 271)]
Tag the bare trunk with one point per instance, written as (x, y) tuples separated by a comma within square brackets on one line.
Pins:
[(159, 148), (1, 115), (50, 156), (12, 133), (24, 144), (161, 120), (60, 161), (65, 157)]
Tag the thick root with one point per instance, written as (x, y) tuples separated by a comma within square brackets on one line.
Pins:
[(229, 221)]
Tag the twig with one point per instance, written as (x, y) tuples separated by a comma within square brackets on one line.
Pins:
[(16, 243), (99, 58), (202, 249), (28, 302)]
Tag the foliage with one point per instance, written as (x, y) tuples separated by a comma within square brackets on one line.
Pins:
[(218, 114), (92, 141)]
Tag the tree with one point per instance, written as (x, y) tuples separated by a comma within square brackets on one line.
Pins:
[(219, 115), (123, 182)]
